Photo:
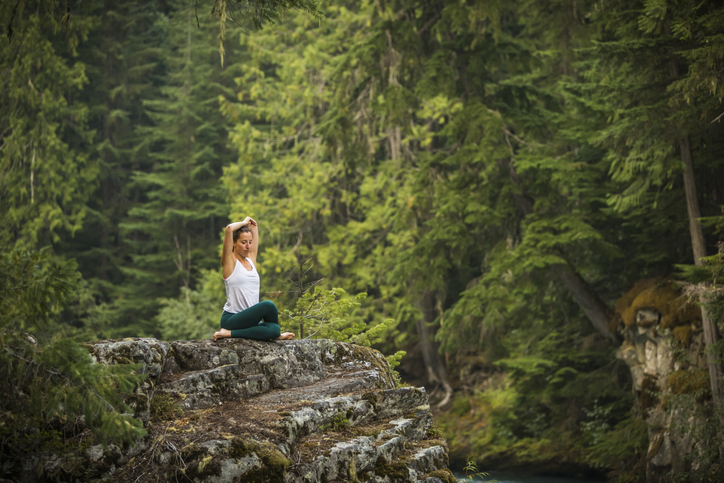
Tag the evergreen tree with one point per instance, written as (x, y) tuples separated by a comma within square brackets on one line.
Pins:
[(653, 140), (48, 170), (125, 66), (171, 231), (52, 391)]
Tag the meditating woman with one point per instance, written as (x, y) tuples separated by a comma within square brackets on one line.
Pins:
[(244, 316)]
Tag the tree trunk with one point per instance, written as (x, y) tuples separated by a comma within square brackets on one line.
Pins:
[(436, 373), (698, 245), (692, 203), (595, 309)]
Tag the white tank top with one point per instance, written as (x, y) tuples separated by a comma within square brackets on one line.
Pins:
[(242, 288)]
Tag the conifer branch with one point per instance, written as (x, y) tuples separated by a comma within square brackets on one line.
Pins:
[(69, 382)]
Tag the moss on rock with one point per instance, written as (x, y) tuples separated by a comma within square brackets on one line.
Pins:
[(395, 471), (208, 466), (683, 334), (689, 382), (371, 397), (275, 464), (446, 476), (123, 355), (193, 451), (164, 408), (661, 296), (241, 447)]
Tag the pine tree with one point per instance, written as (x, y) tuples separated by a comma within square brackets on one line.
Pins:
[(653, 140), (48, 170), (52, 391), (172, 229)]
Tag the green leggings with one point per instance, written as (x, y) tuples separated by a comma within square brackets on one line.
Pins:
[(258, 322)]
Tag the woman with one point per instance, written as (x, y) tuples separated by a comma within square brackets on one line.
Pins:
[(244, 316)]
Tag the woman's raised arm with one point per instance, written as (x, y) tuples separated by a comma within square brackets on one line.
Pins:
[(254, 240), (228, 261)]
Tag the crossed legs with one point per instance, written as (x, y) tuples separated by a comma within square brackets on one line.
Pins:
[(258, 322)]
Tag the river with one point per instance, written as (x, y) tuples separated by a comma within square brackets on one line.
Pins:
[(512, 477)]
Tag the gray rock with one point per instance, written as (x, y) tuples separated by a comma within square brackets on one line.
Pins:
[(651, 351), (295, 411)]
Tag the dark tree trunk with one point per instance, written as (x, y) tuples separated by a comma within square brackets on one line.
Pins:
[(698, 243), (698, 246), (435, 369), (595, 309)]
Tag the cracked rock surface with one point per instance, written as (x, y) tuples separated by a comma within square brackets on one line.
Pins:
[(239, 410)]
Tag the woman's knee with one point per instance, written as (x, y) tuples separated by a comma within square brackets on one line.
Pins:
[(269, 306)]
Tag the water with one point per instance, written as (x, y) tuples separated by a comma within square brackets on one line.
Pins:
[(511, 477)]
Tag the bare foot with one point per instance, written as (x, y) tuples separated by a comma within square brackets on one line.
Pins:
[(286, 336), (222, 334)]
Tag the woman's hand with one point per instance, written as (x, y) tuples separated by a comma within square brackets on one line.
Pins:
[(248, 221)]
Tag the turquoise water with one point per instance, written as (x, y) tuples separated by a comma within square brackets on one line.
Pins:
[(511, 477)]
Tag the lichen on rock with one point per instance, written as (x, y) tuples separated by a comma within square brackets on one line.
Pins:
[(285, 411), (664, 350)]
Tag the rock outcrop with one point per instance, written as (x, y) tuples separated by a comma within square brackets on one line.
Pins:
[(288, 411), (664, 350)]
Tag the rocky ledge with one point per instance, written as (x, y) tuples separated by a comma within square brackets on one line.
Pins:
[(664, 349), (284, 411)]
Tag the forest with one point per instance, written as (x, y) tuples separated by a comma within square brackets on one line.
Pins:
[(479, 189)]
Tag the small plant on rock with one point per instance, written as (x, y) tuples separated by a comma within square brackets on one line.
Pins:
[(471, 472), (339, 422)]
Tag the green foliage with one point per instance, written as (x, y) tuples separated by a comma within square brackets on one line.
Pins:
[(191, 316), (53, 390), (338, 423), (445, 159), (195, 313), (472, 474), (707, 428), (394, 359), (34, 287), (326, 315), (48, 173), (172, 227), (627, 441), (703, 285)]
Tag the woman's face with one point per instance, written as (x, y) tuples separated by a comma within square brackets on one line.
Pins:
[(242, 246)]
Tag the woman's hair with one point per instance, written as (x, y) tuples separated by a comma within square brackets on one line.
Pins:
[(237, 233)]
